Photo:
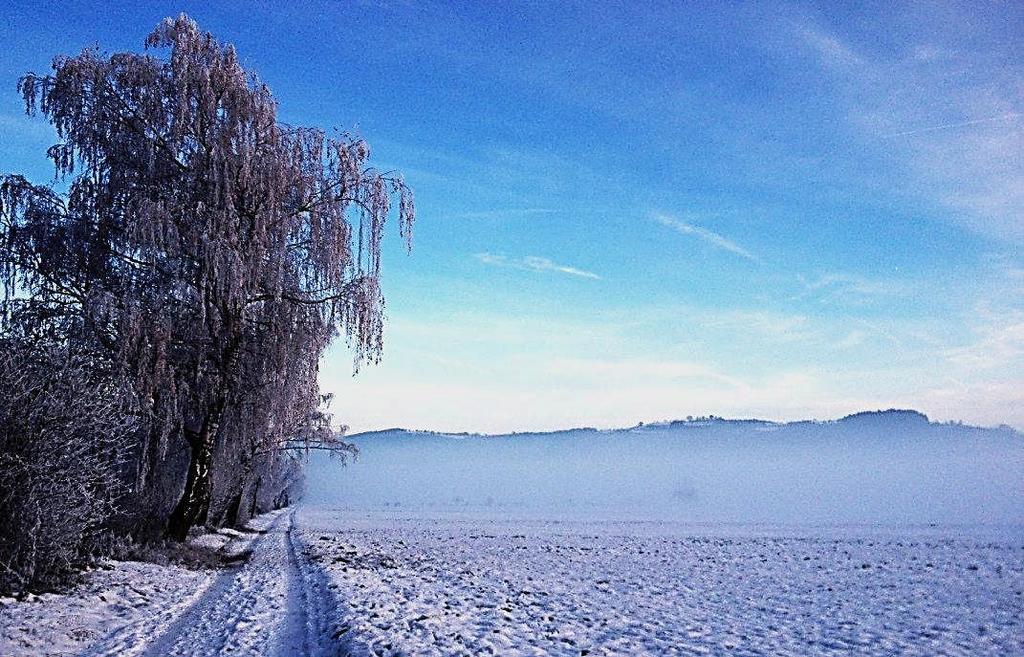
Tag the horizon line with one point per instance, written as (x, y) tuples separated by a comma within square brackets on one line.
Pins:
[(691, 420)]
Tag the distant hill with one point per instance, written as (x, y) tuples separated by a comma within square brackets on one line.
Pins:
[(896, 421), (892, 466), (892, 417)]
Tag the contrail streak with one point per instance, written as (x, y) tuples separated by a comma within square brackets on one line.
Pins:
[(949, 126)]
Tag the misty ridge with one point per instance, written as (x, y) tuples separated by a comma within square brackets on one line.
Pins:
[(875, 467)]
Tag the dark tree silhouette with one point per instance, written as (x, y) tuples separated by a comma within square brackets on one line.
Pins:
[(212, 250), (66, 427)]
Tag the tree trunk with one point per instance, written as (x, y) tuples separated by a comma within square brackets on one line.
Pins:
[(195, 499), (255, 498), (234, 508)]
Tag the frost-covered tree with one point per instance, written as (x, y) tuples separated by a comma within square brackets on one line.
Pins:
[(66, 430), (213, 250)]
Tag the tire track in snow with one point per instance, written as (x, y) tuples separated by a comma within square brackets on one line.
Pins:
[(275, 604), (313, 616)]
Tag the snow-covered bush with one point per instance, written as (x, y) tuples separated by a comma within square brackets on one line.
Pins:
[(65, 430)]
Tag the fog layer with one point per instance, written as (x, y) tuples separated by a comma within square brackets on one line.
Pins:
[(889, 467)]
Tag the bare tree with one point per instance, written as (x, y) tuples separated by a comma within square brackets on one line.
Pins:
[(214, 251), (66, 428)]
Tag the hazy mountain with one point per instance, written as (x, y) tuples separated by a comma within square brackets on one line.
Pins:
[(884, 466)]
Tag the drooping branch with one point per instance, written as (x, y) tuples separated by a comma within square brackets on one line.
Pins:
[(213, 250)]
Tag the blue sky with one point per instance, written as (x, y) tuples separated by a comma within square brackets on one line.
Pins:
[(643, 211)]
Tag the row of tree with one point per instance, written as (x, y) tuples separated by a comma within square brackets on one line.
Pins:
[(167, 299)]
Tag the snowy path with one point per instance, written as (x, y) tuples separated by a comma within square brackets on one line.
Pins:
[(274, 604)]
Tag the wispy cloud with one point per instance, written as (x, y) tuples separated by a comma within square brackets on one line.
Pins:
[(848, 288), (853, 339), (1000, 343), (951, 126), (950, 119), (830, 49), (638, 370), (533, 263), (502, 213), (758, 324), (708, 236)]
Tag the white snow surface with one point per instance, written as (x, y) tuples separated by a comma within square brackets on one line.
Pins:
[(118, 594), (429, 584), (387, 583), (879, 534), (264, 606)]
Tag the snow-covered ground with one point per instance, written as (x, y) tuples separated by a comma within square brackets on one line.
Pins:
[(327, 582), (435, 584), (118, 594), (270, 604), (880, 534), (337, 582)]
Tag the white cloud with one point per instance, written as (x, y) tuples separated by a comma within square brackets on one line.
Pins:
[(951, 126), (950, 119), (1000, 343), (849, 288), (503, 213), (533, 263), (637, 370), (853, 339), (703, 233), (830, 49), (526, 367), (532, 394), (760, 325)]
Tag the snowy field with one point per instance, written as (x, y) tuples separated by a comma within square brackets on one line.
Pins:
[(116, 595), (881, 534), (878, 534), (355, 582), (439, 584)]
